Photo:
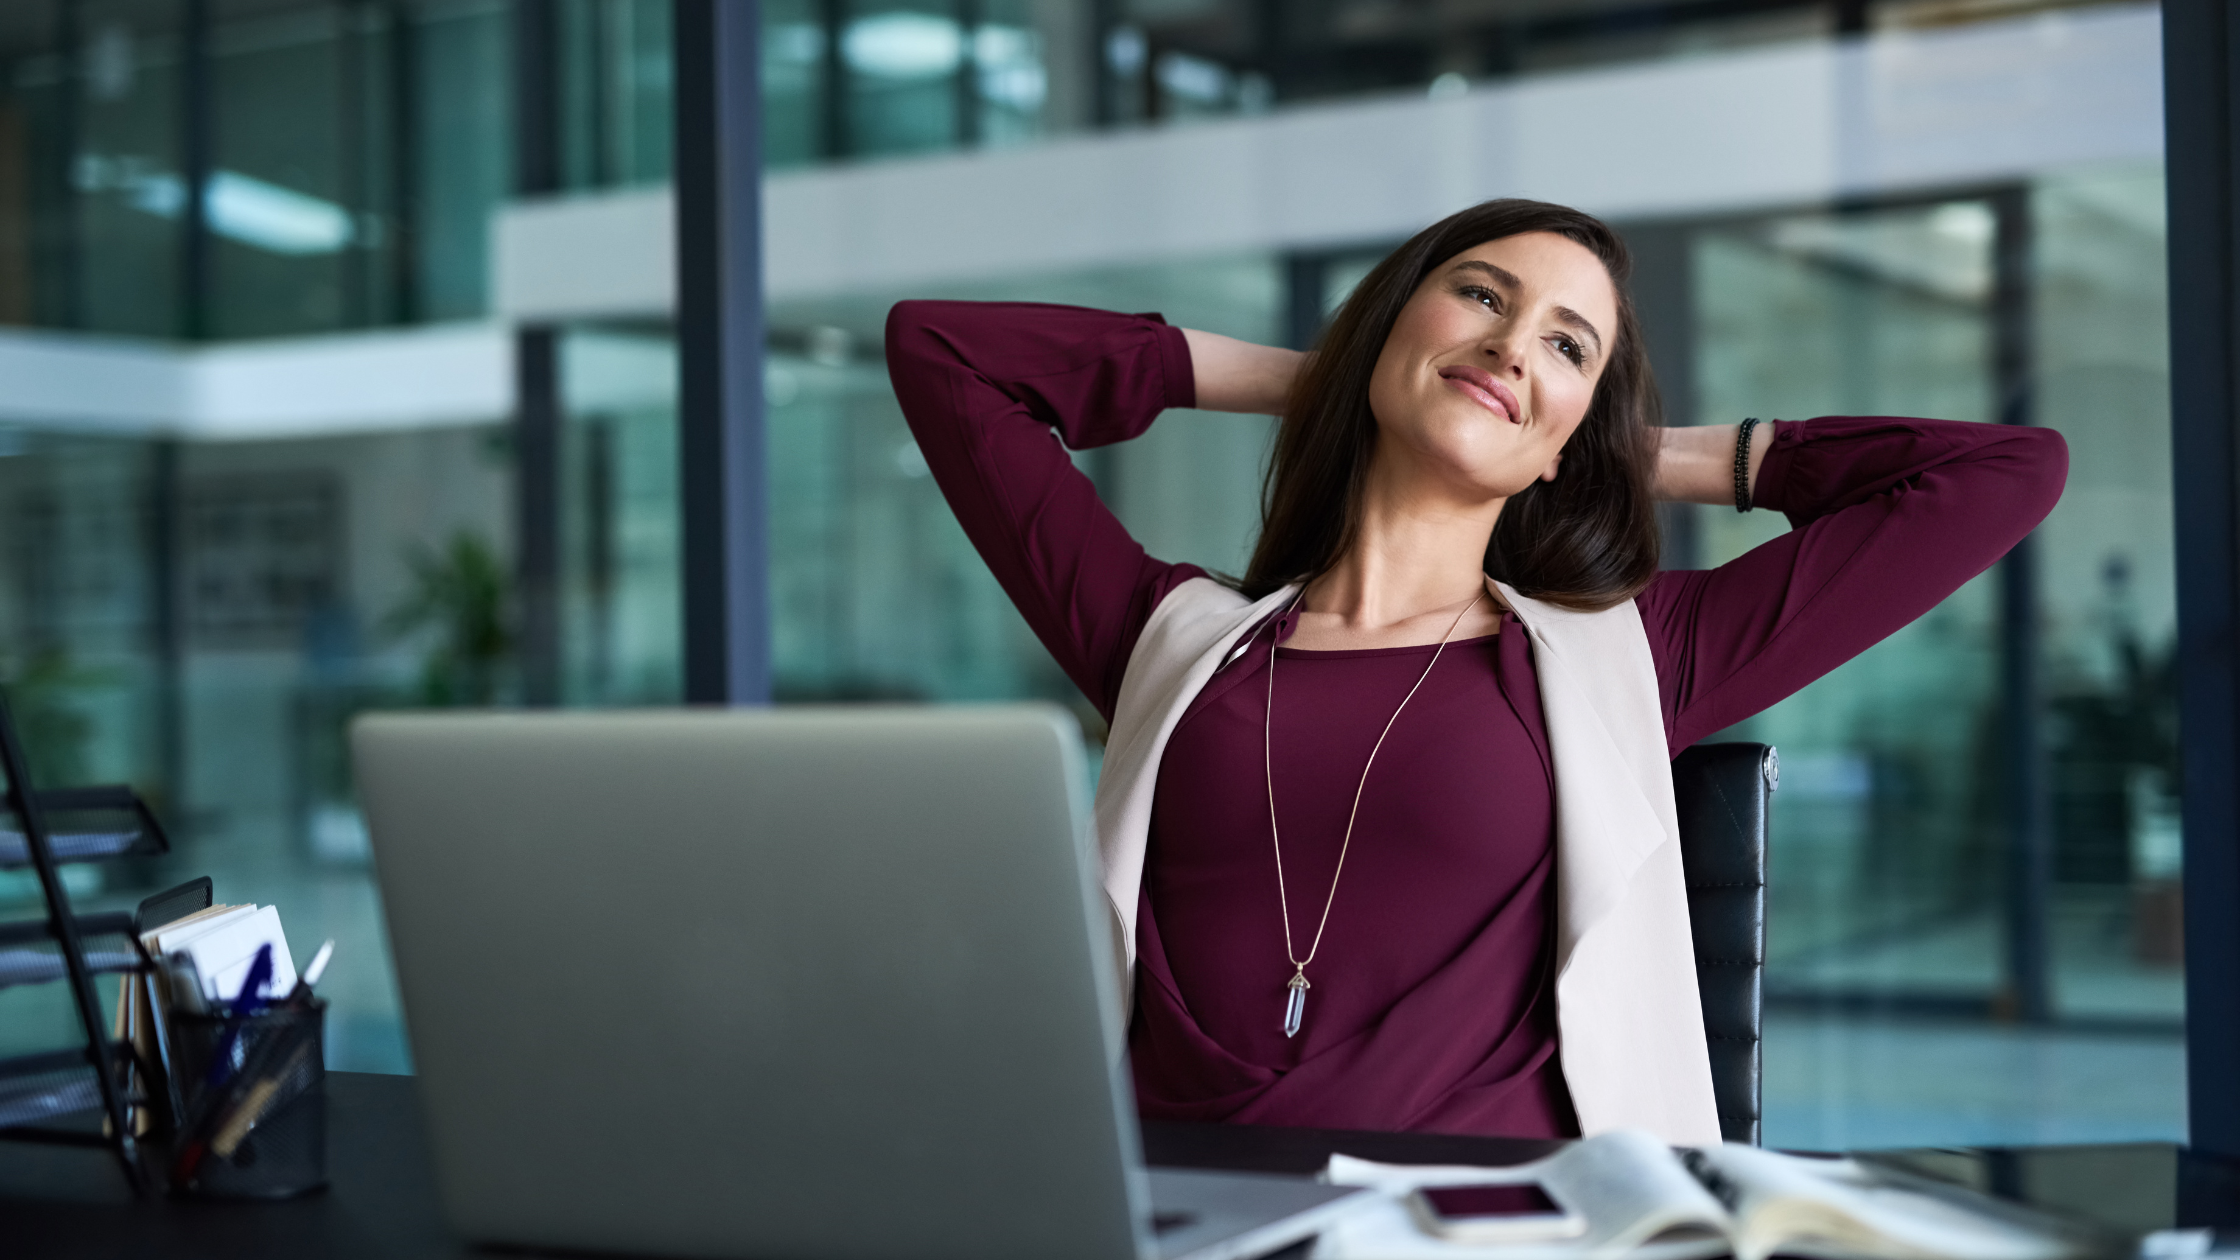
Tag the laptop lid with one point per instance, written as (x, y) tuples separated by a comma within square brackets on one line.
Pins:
[(803, 982)]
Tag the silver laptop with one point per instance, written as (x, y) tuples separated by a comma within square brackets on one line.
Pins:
[(793, 984)]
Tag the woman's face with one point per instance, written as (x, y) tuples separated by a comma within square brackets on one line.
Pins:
[(1492, 363)]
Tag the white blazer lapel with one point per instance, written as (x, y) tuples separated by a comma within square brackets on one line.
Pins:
[(1600, 716), (1628, 1012), (1181, 647)]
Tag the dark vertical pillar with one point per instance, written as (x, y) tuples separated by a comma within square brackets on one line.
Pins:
[(1104, 99), (2029, 816), (968, 76), (1852, 17), (720, 349), (1664, 302), (597, 67), (537, 401), (1268, 21), (536, 455), (354, 137), (1305, 276), (2201, 65), (536, 96), (197, 154), (60, 230), (600, 546), (402, 237), (833, 131), (167, 638)]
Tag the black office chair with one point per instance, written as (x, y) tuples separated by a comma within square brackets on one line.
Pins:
[(1725, 793)]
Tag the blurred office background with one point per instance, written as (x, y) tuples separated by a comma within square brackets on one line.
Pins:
[(338, 372)]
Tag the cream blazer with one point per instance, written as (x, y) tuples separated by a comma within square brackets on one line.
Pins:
[(1629, 1022)]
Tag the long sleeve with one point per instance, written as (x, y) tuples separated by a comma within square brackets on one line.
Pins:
[(1890, 516), (990, 391)]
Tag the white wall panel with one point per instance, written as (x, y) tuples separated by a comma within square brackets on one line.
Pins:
[(296, 387)]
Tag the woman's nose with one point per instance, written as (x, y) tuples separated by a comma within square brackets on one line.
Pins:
[(1504, 350)]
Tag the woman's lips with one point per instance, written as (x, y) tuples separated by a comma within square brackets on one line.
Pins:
[(1479, 385)]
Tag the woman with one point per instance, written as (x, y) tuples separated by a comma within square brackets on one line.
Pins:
[(1390, 845)]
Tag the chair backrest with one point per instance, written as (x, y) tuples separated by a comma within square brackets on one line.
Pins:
[(1725, 794)]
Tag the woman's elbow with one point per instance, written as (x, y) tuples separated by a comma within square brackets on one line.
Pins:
[(909, 331), (2049, 458)]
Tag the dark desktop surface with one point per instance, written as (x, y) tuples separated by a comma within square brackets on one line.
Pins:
[(381, 1201)]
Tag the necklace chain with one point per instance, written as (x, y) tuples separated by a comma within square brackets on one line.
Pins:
[(1298, 983)]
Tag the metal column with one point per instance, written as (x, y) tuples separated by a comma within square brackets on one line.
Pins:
[(2201, 64), (719, 349), (2029, 996), (197, 157), (537, 400)]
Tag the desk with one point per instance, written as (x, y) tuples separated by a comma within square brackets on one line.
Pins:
[(56, 1202)]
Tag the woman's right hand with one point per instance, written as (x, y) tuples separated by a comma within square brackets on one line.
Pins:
[(1235, 375)]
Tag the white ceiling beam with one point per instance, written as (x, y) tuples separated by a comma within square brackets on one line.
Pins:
[(1736, 131)]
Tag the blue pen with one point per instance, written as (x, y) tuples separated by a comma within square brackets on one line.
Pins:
[(248, 1002)]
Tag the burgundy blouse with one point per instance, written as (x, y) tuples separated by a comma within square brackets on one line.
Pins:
[(1433, 1002)]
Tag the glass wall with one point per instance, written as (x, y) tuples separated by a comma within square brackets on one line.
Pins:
[(876, 592), (621, 605), (201, 618), (862, 78), (1897, 1004), (349, 156), (1901, 969), (307, 579)]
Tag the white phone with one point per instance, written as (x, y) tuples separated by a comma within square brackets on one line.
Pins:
[(1494, 1214)]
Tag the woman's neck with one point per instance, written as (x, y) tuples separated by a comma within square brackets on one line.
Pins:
[(1416, 560)]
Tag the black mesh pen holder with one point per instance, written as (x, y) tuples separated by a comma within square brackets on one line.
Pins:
[(256, 1128)]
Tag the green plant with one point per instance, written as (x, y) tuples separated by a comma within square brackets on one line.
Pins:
[(54, 731), (459, 595)]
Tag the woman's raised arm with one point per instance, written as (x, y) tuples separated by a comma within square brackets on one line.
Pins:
[(1233, 375), (1890, 516), (983, 385)]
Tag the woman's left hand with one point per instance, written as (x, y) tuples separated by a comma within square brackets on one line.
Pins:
[(1696, 464)]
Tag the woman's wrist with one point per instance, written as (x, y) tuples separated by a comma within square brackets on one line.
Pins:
[(1697, 464), (1235, 375)]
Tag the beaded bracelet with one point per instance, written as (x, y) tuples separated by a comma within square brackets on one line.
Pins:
[(1742, 465)]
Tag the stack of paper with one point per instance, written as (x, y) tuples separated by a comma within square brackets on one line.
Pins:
[(223, 941)]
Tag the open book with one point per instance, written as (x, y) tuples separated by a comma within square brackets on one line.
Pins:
[(1638, 1198)]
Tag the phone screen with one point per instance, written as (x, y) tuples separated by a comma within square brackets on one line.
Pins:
[(1463, 1202)]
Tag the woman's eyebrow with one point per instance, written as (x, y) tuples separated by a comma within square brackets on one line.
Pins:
[(1508, 280), (1499, 275), (1580, 323)]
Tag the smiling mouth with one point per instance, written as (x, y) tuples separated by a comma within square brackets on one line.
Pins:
[(1479, 386)]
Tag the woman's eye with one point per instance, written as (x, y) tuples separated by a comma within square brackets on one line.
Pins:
[(1483, 297), (1571, 350)]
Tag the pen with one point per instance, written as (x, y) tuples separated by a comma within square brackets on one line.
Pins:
[(301, 994), (255, 1101), (245, 1004), (236, 1107)]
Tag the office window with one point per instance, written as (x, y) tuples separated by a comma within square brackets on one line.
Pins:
[(619, 530), (875, 590), (1922, 988), (615, 102), (115, 215)]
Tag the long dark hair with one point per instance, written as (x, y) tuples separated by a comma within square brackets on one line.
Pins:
[(1586, 540)]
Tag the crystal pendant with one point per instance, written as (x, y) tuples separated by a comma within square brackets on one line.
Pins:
[(1295, 1006)]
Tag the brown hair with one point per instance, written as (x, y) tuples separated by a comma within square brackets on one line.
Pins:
[(1587, 540)]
